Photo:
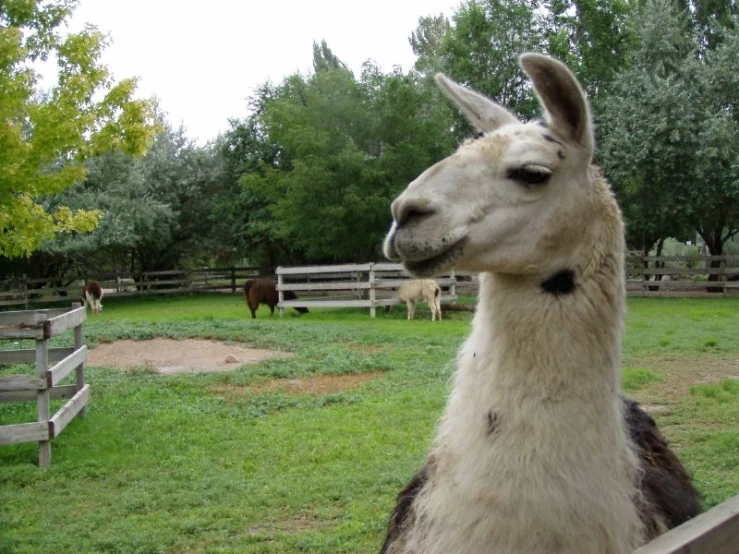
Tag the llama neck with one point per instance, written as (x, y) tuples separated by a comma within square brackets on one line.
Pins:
[(552, 339)]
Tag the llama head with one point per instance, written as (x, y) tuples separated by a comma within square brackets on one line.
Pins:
[(516, 200)]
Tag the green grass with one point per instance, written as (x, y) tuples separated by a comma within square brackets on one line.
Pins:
[(205, 463)]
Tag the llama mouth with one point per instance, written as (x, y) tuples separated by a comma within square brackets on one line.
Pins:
[(436, 264)]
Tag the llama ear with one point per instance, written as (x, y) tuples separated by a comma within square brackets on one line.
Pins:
[(482, 112), (567, 109)]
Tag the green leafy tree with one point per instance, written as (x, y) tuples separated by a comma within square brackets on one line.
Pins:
[(592, 36), (650, 129), (716, 198), (46, 135), (321, 157), (671, 134), (156, 210), (427, 42), (483, 44)]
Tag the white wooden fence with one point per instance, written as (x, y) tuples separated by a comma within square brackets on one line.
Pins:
[(349, 286), (42, 325)]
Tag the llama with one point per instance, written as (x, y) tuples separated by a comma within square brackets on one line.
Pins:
[(420, 290), (264, 291), (537, 452), (92, 295)]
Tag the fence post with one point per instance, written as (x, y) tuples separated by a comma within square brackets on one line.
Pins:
[(372, 292), (24, 290), (42, 400), (80, 369), (453, 286), (644, 276), (233, 280), (280, 294)]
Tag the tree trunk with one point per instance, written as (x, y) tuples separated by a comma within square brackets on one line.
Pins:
[(715, 244)]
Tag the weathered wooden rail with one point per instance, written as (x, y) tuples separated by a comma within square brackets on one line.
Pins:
[(713, 532), (349, 286), (666, 276), (24, 292), (676, 276), (40, 326)]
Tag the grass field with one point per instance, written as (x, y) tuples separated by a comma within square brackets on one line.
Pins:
[(225, 463)]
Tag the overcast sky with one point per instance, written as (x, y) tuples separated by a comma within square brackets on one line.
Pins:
[(202, 59)]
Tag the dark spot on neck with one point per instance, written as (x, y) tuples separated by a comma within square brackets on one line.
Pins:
[(493, 422), (562, 282), (542, 123), (478, 135)]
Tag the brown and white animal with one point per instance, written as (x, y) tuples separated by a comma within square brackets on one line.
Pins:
[(92, 295), (421, 290), (264, 291), (537, 451)]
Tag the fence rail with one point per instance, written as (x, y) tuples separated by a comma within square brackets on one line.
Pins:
[(25, 292), (667, 276), (713, 532), (42, 325), (676, 276), (349, 286)]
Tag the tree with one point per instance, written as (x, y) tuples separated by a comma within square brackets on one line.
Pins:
[(716, 199), (483, 45), (321, 157), (650, 129), (592, 37), (427, 42), (671, 132), (46, 136), (156, 210)]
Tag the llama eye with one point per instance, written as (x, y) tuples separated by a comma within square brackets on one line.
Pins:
[(531, 174)]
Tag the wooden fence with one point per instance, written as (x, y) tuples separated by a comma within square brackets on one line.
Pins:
[(675, 276), (713, 532), (25, 292), (349, 286), (42, 325), (667, 276)]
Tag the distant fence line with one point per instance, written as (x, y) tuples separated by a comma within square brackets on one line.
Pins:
[(22, 291), (676, 276), (350, 286), (665, 276)]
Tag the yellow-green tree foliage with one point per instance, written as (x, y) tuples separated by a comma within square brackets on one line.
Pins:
[(46, 135)]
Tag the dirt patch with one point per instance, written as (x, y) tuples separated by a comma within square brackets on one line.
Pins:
[(168, 356), (364, 348), (678, 376), (315, 385), (291, 526)]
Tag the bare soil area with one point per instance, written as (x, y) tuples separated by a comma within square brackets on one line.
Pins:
[(314, 385), (168, 356), (678, 375)]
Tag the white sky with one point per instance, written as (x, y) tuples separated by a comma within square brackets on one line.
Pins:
[(202, 59)]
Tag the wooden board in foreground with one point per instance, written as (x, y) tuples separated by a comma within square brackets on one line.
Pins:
[(713, 532)]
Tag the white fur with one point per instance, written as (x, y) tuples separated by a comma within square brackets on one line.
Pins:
[(421, 290), (532, 455)]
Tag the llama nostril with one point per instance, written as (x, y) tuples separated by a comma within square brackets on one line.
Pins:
[(411, 212)]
